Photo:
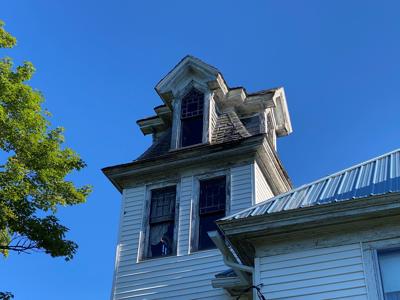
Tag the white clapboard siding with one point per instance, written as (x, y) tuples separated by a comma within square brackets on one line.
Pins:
[(241, 188), (175, 277), (324, 273), (262, 189), (184, 276), (131, 223)]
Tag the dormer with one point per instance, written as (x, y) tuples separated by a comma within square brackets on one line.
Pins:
[(200, 108)]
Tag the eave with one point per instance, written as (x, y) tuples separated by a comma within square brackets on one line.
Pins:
[(181, 158), (241, 232), (157, 123), (273, 169)]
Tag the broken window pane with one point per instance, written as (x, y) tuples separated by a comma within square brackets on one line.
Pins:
[(162, 221), (192, 118), (211, 208)]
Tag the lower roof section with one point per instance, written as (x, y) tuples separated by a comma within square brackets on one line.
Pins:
[(378, 176)]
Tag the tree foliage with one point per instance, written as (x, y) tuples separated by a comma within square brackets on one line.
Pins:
[(33, 166)]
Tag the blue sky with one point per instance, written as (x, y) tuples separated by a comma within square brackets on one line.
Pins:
[(98, 62)]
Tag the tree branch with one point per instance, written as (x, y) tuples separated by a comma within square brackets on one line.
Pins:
[(23, 245)]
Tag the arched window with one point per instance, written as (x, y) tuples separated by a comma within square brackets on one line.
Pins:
[(192, 118)]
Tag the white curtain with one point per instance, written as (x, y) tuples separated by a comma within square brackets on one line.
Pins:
[(157, 233)]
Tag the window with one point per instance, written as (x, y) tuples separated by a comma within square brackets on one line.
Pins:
[(192, 118), (212, 204), (389, 264), (162, 222)]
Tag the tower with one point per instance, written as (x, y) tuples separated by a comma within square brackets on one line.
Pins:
[(213, 154)]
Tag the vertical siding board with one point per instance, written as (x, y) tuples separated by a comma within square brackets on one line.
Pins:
[(262, 189), (184, 215), (118, 248), (241, 188), (256, 276), (315, 274)]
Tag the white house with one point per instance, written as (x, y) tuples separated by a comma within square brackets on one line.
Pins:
[(208, 211), (335, 238), (213, 155)]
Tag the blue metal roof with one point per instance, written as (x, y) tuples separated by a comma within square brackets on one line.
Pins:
[(377, 176)]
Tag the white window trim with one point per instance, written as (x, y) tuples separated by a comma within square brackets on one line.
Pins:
[(144, 234), (371, 265), (194, 209), (176, 119)]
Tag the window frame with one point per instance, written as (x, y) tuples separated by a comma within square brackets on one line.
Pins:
[(144, 240), (371, 264), (195, 205), (185, 118), (379, 252), (176, 120)]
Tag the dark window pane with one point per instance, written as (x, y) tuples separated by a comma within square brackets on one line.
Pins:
[(161, 239), (212, 204), (162, 220), (207, 223), (192, 118), (192, 131), (192, 104), (212, 195), (162, 204)]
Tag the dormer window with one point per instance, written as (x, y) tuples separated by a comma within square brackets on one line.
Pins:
[(192, 108)]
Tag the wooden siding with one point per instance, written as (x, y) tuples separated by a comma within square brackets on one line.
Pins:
[(323, 273), (262, 189), (241, 188), (185, 208), (185, 276), (175, 277)]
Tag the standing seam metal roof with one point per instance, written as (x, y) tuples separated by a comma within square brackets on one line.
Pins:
[(377, 176)]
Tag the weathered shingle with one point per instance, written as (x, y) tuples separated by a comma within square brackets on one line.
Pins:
[(159, 147), (252, 124), (229, 128)]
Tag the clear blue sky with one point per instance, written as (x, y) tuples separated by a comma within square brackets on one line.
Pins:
[(98, 62)]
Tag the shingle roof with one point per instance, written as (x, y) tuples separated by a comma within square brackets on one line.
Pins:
[(377, 176), (228, 128), (158, 148)]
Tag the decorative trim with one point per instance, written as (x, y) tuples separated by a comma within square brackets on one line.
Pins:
[(176, 120), (256, 276), (118, 248)]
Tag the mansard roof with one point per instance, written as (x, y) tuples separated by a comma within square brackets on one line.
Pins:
[(182, 74), (228, 128), (378, 176)]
